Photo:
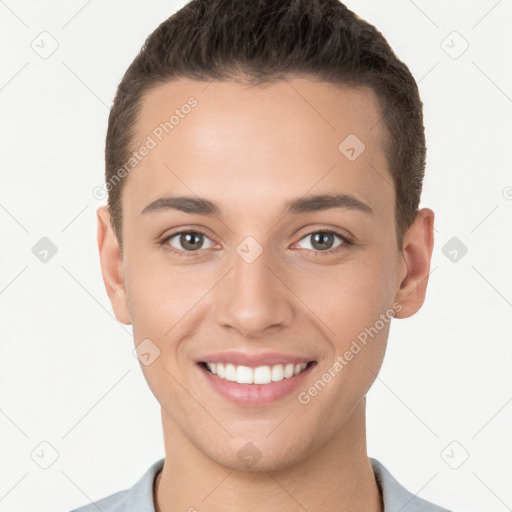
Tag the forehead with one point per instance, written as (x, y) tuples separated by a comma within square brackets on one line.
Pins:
[(240, 145)]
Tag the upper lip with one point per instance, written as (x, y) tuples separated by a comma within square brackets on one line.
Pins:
[(253, 360)]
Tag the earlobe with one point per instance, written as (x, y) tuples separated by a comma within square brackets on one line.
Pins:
[(112, 265), (416, 257)]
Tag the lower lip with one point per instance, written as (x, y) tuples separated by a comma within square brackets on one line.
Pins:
[(255, 394)]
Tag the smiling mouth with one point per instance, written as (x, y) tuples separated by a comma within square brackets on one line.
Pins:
[(258, 375)]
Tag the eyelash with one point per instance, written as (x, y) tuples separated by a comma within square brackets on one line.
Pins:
[(342, 247)]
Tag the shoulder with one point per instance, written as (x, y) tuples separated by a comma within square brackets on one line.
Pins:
[(397, 497), (114, 503), (138, 498)]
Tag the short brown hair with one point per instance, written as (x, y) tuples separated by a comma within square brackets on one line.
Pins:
[(267, 40)]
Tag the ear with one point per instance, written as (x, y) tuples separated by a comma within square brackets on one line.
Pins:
[(416, 257), (112, 265)]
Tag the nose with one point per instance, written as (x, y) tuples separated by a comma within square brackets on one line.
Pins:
[(253, 298)]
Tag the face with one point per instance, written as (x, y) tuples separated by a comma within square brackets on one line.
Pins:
[(253, 278)]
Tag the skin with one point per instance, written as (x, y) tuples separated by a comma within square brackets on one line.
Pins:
[(263, 146)]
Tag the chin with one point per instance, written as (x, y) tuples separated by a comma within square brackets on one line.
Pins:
[(260, 455)]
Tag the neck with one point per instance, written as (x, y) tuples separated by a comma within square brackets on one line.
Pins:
[(336, 477)]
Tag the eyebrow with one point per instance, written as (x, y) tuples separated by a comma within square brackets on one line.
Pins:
[(307, 204)]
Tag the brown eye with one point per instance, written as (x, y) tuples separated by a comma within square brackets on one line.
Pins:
[(187, 241), (325, 241)]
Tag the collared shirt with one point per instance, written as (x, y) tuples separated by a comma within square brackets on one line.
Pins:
[(139, 498)]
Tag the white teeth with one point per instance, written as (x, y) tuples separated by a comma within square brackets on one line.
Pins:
[(262, 375), (221, 371), (244, 375), (230, 372), (258, 375), (277, 372), (288, 371)]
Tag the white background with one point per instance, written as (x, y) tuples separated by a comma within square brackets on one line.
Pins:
[(68, 375)]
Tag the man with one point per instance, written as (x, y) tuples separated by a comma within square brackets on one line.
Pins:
[(264, 164)]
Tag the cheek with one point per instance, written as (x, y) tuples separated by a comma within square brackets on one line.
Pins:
[(161, 296), (354, 304), (351, 296), (167, 308), (162, 301)]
